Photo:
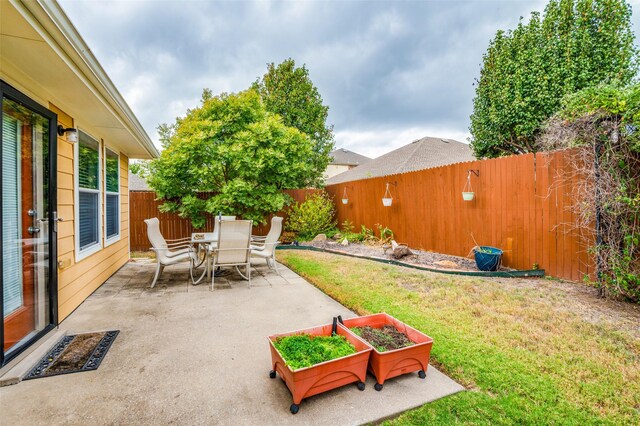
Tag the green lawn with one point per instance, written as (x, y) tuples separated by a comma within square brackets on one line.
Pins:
[(524, 357)]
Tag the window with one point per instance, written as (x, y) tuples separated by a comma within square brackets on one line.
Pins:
[(88, 195), (112, 196)]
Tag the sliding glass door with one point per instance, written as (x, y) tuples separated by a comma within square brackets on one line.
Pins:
[(27, 231)]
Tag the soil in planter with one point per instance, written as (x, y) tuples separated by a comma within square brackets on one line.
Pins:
[(305, 350), (383, 339)]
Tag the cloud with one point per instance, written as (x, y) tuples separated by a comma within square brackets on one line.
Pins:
[(390, 71)]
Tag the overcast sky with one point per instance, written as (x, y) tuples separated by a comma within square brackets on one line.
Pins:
[(390, 71)]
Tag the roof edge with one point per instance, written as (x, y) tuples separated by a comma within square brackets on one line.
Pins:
[(404, 173), (66, 36)]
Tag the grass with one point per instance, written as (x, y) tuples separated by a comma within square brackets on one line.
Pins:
[(523, 358), (143, 254)]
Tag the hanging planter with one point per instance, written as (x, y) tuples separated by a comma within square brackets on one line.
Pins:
[(345, 198), (387, 199), (467, 192)]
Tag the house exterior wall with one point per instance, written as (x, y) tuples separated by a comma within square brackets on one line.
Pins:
[(336, 169), (44, 58), (78, 279)]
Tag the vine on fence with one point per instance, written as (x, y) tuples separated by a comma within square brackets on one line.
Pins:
[(603, 125)]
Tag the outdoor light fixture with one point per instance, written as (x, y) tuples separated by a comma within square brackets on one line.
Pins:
[(387, 199), (72, 134), (467, 191)]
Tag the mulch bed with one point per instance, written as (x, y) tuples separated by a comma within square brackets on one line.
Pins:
[(425, 258)]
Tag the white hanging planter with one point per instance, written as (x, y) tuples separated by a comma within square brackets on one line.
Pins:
[(387, 198), (468, 196), (345, 197)]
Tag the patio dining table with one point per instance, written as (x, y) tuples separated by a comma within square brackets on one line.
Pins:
[(203, 239)]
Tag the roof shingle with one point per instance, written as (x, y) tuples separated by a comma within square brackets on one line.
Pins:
[(345, 157), (136, 183), (420, 154)]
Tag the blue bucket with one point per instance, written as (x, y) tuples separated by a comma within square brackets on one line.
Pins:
[(487, 258)]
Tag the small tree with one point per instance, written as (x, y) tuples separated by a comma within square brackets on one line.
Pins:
[(233, 147), (527, 71), (289, 92)]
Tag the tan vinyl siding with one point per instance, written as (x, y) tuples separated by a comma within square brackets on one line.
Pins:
[(77, 280)]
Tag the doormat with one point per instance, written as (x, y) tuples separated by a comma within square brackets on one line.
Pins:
[(72, 354)]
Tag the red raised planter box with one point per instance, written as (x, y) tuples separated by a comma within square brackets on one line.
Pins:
[(325, 376), (385, 365)]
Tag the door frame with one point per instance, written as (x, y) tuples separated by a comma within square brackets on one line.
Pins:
[(7, 91)]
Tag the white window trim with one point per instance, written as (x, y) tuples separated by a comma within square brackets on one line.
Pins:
[(115, 238), (83, 254)]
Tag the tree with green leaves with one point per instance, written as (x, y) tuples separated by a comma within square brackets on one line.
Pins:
[(527, 71), (233, 148), (289, 92)]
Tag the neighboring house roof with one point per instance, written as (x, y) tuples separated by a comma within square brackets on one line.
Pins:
[(344, 157), (137, 183), (40, 46), (420, 154)]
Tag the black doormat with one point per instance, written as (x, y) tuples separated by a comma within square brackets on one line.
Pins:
[(79, 352)]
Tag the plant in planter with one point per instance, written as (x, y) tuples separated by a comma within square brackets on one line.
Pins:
[(305, 350), (314, 361), (397, 348), (487, 258)]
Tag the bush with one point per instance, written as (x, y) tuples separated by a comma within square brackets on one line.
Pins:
[(601, 123), (312, 217)]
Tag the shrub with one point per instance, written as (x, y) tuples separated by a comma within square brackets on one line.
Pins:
[(312, 217), (601, 123)]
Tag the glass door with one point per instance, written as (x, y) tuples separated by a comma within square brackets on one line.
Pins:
[(27, 232)]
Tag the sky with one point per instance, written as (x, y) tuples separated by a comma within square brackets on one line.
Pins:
[(390, 71)]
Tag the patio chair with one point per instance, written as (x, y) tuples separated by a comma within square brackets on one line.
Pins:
[(216, 232), (265, 247), (168, 252), (217, 221), (233, 248)]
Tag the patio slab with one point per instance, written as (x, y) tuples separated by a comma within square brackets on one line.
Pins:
[(187, 355)]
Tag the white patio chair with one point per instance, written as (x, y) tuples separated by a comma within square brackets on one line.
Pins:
[(216, 222), (265, 247), (216, 232), (233, 248), (168, 252)]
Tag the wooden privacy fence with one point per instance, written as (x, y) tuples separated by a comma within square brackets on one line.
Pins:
[(144, 206), (520, 205)]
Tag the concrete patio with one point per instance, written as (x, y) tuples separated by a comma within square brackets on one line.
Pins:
[(186, 355)]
